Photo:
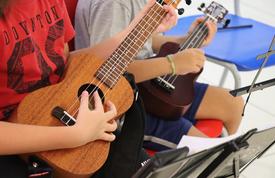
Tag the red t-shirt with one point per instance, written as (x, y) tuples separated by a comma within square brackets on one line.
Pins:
[(32, 38)]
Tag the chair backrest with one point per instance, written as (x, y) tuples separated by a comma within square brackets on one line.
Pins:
[(71, 7)]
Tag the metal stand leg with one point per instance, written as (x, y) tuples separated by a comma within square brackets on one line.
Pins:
[(228, 67), (224, 75)]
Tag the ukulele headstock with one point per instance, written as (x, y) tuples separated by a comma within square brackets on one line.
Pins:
[(215, 11)]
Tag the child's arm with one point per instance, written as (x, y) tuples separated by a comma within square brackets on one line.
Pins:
[(90, 126)]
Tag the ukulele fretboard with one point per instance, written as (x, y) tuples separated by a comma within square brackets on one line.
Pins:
[(111, 71)]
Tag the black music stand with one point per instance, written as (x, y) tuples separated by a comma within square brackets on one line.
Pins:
[(258, 144), (255, 87), (180, 166), (226, 160), (161, 159)]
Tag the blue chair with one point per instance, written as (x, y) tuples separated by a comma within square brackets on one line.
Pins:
[(235, 49)]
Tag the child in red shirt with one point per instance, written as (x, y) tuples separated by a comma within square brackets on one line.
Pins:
[(33, 54)]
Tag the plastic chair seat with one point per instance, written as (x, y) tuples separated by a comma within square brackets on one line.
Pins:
[(210, 127)]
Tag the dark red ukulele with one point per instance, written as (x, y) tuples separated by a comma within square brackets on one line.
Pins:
[(170, 96)]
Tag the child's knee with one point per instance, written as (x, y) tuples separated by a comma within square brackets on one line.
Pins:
[(238, 107), (234, 116)]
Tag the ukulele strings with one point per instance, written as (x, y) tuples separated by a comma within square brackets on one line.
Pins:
[(171, 78), (185, 45), (152, 17), (195, 33), (198, 43), (109, 72), (200, 28)]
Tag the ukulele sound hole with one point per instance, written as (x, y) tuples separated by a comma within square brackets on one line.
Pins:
[(91, 89)]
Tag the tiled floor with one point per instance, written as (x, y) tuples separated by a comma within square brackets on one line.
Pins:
[(261, 108)]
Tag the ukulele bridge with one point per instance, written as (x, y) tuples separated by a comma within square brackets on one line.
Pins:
[(63, 116), (164, 84)]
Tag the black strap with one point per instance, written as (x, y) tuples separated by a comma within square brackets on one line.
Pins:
[(15, 167), (38, 168), (12, 167), (126, 151)]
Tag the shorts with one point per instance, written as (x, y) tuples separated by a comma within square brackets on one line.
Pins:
[(162, 134)]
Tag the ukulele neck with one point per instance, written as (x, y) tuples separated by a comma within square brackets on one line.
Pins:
[(196, 38), (113, 68)]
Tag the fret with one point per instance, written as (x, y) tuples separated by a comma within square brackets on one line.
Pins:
[(142, 23), (110, 67), (123, 61), (107, 80), (128, 55), (158, 13), (143, 37), (124, 57), (128, 40), (144, 32), (111, 73), (121, 48), (132, 51), (119, 58), (121, 66), (149, 26), (114, 70)]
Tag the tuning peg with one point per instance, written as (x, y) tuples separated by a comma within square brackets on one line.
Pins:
[(202, 6), (180, 11), (188, 2), (226, 23)]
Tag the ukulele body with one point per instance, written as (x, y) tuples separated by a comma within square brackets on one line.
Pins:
[(169, 105), (36, 109)]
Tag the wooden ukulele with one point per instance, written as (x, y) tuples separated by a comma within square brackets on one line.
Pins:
[(169, 97), (50, 105)]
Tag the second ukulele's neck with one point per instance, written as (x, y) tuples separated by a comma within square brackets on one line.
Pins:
[(196, 38)]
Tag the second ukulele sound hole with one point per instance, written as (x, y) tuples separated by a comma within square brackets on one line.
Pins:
[(90, 88)]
